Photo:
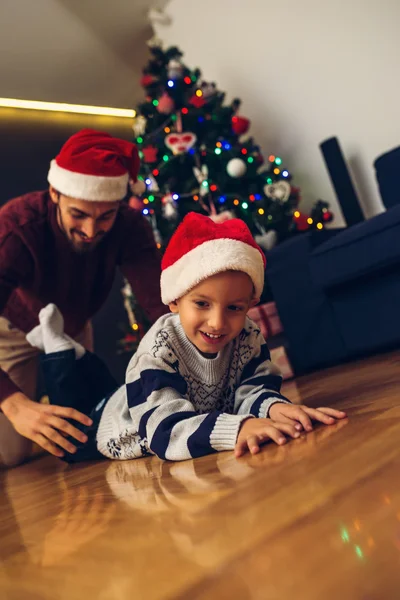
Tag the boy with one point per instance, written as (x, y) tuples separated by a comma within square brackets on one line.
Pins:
[(201, 380)]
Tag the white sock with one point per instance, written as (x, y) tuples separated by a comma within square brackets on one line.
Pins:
[(35, 338), (52, 330)]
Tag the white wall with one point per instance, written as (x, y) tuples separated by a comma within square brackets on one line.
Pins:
[(305, 70)]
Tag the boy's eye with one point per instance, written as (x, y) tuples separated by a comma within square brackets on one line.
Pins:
[(235, 308), (201, 303), (77, 216)]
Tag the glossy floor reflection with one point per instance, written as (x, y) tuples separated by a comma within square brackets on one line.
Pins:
[(318, 519)]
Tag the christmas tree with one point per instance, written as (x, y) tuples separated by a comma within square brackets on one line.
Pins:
[(195, 156)]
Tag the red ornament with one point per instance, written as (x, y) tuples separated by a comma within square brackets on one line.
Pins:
[(197, 101), (136, 203), (165, 104), (240, 125), (150, 154), (301, 223), (180, 142), (147, 80), (328, 216)]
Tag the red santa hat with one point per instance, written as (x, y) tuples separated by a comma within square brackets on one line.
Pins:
[(93, 165), (201, 248)]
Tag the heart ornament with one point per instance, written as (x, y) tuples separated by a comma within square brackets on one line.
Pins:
[(280, 190), (180, 142)]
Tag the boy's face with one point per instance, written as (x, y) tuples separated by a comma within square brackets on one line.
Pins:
[(213, 313)]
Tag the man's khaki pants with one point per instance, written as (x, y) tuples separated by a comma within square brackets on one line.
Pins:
[(20, 361)]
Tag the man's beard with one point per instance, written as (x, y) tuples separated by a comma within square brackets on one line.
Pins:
[(83, 247)]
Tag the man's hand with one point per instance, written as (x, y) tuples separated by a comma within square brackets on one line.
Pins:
[(300, 416), (44, 423), (255, 432)]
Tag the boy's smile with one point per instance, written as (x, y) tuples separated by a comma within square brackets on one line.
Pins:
[(213, 313)]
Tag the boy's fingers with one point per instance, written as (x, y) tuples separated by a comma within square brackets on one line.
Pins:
[(46, 444), (274, 434), (253, 444), (288, 428), (317, 415), (332, 412)]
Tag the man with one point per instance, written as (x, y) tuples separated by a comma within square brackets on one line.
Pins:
[(63, 246)]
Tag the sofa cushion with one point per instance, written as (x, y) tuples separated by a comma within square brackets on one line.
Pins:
[(359, 251)]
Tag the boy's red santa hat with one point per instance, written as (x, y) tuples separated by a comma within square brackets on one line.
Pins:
[(201, 248), (93, 165)]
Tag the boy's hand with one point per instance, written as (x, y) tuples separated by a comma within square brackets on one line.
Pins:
[(255, 432), (300, 416)]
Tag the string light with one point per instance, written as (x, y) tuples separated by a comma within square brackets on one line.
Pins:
[(170, 83), (199, 93), (296, 214), (320, 226), (175, 196), (245, 205), (158, 245), (285, 173), (139, 140), (205, 183), (257, 197), (236, 202), (310, 221), (145, 211), (187, 80), (165, 158), (213, 187), (227, 146), (146, 201), (260, 211), (155, 102), (194, 78), (244, 151), (185, 110), (277, 171), (200, 119), (250, 159), (135, 327), (217, 150), (151, 198), (148, 181), (269, 180), (218, 144), (252, 197), (278, 161), (167, 130), (222, 199), (195, 198), (269, 217), (156, 172), (271, 158)]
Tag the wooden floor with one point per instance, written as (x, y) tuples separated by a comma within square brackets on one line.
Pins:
[(318, 519)]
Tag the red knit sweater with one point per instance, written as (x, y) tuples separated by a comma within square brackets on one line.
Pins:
[(38, 266)]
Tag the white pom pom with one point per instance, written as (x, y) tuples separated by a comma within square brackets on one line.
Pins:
[(138, 188), (236, 167)]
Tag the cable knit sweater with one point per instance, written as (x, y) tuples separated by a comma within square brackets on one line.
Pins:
[(178, 404)]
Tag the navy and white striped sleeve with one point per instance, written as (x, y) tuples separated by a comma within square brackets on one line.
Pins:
[(161, 413), (260, 383)]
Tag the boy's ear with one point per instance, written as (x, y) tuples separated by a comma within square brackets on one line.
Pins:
[(254, 302), (173, 307)]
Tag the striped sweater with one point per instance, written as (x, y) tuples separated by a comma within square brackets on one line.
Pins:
[(178, 404)]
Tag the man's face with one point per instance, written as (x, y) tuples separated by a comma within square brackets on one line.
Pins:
[(85, 223)]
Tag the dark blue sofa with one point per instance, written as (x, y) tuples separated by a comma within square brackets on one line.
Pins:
[(338, 291)]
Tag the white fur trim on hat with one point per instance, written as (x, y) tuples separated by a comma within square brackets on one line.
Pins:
[(87, 187), (207, 259)]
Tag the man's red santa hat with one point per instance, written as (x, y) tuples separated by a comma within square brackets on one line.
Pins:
[(201, 248), (93, 165)]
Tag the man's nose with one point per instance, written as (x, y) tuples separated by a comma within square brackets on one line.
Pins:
[(89, 228)]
